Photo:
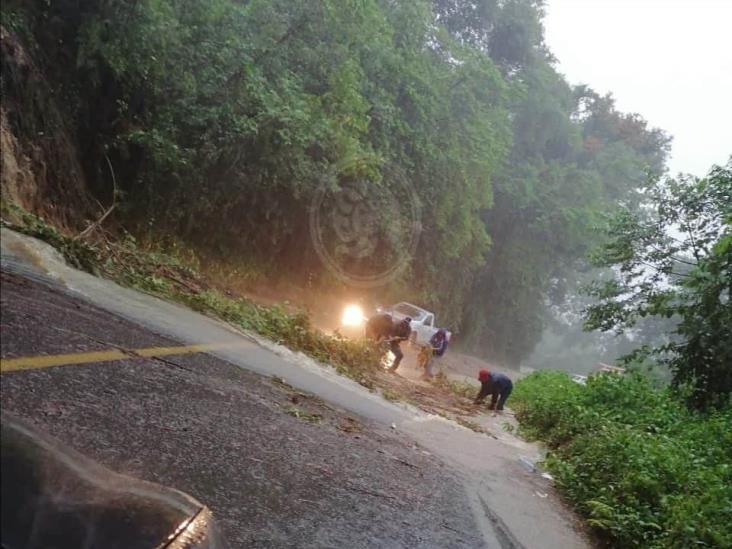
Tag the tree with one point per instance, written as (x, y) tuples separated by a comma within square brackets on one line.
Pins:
[(673, 258), (573, 156), (223, 119)]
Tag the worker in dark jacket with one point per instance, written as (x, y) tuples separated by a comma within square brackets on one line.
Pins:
[(379, 327), (382, 328), (497, 385), (400, 332)]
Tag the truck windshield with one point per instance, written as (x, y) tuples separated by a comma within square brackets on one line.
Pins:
[(408, 310)]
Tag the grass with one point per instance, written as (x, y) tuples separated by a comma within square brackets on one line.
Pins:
[(643, 469)]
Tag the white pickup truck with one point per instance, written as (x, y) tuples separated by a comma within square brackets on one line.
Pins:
[(423, 321)]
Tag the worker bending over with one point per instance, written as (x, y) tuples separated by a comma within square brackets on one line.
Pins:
[(382, 328), (498, 385)]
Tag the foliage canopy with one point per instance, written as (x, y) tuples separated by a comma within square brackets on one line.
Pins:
[(223, 118), (673, 259)]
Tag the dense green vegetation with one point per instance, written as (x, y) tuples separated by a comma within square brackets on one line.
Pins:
[(649, 466), (652, 467), (222, 119), (643, 469), (673, 259)]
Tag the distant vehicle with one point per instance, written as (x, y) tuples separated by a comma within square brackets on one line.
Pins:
[(577, 378), (423, 321), (606, 368)]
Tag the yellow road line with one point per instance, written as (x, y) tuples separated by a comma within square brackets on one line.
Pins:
[(46, 361)]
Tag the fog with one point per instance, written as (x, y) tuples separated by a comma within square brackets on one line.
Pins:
[(670, 60)]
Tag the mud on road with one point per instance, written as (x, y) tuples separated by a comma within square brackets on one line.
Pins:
[(279, 468)]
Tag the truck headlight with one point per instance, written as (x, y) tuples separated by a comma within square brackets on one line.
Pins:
[(353, 316)]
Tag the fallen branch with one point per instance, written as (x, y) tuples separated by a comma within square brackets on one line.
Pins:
[(91, 228), (168, 362), (189, 286), (405, 462), (369, 492), (452, 529)]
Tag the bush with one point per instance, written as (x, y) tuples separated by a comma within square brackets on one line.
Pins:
[(354, 358), (643, 469)]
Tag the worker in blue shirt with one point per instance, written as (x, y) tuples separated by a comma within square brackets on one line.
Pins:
[(432, 351), (498, 385)]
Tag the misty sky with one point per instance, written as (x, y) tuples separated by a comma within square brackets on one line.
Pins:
[(669, 60)]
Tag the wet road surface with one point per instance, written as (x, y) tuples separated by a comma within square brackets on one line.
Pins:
[(226, 436), (193, 420)]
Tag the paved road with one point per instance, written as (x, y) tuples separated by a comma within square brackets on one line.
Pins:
[(212, 425)]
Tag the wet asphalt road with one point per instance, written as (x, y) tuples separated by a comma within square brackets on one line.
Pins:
[(512, 507), (229, 437)]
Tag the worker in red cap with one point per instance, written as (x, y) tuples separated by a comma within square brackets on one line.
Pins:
[(498, 385)]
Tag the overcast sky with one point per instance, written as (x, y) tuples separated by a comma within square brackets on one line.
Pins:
[(669, 60)]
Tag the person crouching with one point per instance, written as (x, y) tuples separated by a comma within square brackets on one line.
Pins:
[(498, 385)]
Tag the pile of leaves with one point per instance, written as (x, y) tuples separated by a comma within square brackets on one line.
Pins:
[(643, 468)]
